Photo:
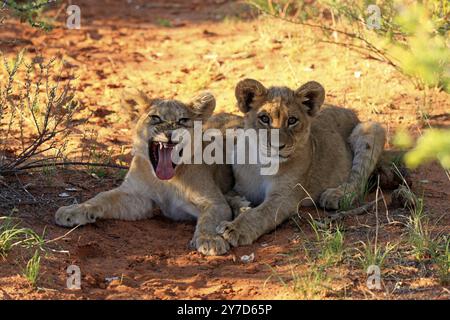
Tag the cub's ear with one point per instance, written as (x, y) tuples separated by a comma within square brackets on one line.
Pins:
[(135, 102), (135, 97), (203, 105), (249, 94), (312, 95)]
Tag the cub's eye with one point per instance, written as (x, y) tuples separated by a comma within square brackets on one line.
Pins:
[(183, 121), (264, 119), (292, 120), (155, 119)]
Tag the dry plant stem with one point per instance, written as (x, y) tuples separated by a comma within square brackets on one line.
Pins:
[(48, 121), (370, 46), (354, 212), (61, 164), (61, 237)]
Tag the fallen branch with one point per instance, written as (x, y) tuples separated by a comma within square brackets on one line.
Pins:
[(339, 215), (61, 164), (63, 236)]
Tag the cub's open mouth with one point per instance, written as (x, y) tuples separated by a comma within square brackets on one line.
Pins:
[(160, 154)]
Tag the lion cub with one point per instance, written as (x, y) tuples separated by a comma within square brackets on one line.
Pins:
[(323, 155), (153, 181)]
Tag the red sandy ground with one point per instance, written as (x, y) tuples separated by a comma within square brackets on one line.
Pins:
[(208, 46)]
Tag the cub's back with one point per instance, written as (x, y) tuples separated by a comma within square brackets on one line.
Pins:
[(338, 119), (330, 131)]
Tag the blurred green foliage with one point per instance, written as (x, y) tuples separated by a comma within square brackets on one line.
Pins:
[(29, 11), (434, 144), (413, 36), (424, 54)]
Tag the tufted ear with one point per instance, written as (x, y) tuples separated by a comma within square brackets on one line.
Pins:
[(135, 97), (312, 95), (249, 93), (135, 102), (203, 105)]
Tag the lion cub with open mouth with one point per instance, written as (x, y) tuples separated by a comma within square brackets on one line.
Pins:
[(183, 191)]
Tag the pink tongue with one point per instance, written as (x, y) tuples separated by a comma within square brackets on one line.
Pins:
[(165, 170)]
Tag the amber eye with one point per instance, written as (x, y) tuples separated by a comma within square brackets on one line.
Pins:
[(183, 121), (292, 120), (155, 119), (264, 119)]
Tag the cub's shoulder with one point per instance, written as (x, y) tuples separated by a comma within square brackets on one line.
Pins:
[(335, 118), (223, 121)]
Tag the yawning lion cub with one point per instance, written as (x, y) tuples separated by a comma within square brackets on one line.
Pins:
[(181, 192)]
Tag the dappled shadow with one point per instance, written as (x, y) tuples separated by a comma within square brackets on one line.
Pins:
[(122, 14), (172, 13), (140, 13)]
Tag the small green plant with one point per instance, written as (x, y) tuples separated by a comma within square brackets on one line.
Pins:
[(12, 235), (324, 251), (99, 157), (373, 254), (418, 231), (441, 258), (425, 246), (95, 156), (32, 269), (329, 244), (313, 283), (164, 22), (347, 202)]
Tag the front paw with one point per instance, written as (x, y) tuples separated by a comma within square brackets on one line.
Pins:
[(75, 215), (210, 245), (331, 198), (235, 233)]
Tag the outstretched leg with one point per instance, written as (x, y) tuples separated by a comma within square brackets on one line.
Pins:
[(254, 222), (367, 141), (114, 204)]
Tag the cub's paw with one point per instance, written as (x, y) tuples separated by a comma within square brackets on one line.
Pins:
[(74, 215), (210, 245), (331, 198), (238, 204), (235, 234)]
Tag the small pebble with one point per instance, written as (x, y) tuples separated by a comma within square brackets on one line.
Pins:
[(248, 258)]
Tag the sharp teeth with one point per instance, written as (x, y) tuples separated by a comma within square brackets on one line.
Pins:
[(160, 145)]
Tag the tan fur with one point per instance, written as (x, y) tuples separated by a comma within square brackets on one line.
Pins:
[(196, 190), (316, 156)]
